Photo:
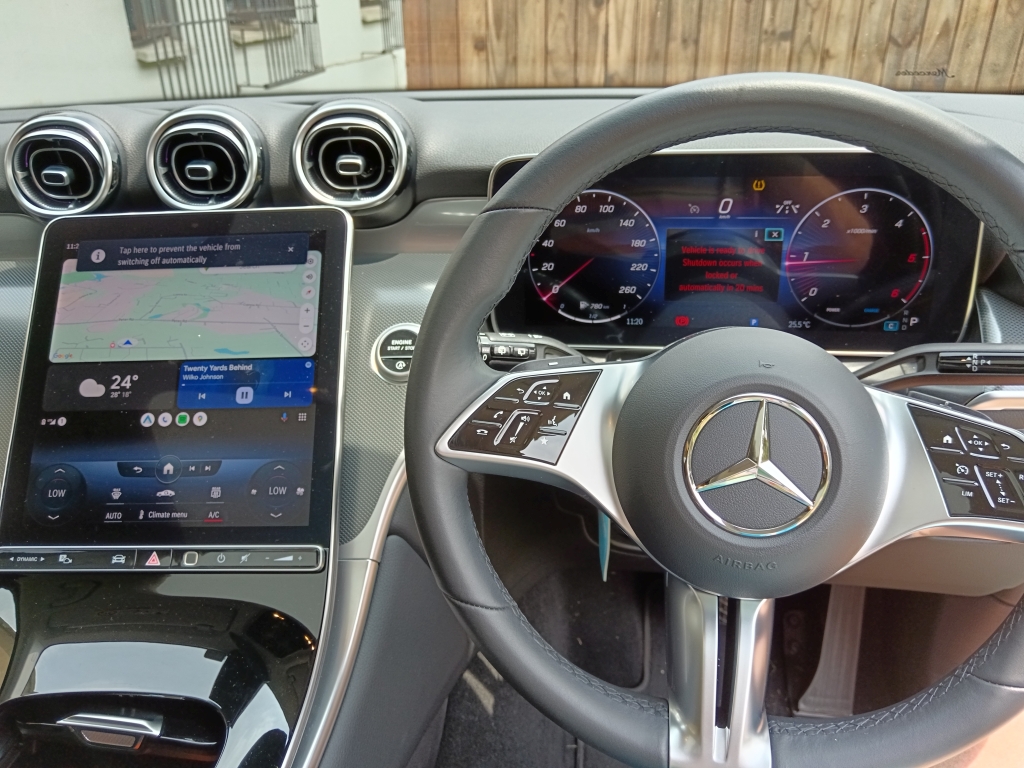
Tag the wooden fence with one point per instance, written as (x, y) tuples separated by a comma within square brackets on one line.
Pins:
[(952, 45)]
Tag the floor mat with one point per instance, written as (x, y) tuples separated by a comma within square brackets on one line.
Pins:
[(614, 631)]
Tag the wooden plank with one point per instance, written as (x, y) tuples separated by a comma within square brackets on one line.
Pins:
[(652, 41), (808, 35), (416, 29), (713, 38), (444, 43), (777, 21), (872, 40), (744, 36), (1017, 83), (531, 48), (683, 33), (591, 42), (904, 44), (621, 57), (501, 43), (840, 37), (936, 44), (969, 43), (472, 20), (560, 50), (1004, 44)]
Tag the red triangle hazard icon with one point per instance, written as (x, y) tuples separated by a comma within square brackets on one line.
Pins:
[(154, 559)]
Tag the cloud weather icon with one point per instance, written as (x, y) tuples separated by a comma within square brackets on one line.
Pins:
[(91, 388)]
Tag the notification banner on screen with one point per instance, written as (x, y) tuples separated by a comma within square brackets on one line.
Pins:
[(723, 261), (211, 251)]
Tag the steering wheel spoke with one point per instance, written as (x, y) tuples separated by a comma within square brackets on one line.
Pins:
[(951, 473), (555, 427), (719, 654)]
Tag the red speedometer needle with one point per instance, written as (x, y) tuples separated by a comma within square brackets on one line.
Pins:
[(570, 277)]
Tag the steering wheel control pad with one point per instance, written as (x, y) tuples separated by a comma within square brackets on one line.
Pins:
[(750, 463), (530, 417)]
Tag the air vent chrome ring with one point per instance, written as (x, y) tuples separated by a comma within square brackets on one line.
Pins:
[(350, 155), (204, 159), (61, 164)]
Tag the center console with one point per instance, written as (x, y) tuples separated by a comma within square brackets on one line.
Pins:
[(167, 511)]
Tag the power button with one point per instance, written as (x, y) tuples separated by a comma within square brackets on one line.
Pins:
[(393, 351)]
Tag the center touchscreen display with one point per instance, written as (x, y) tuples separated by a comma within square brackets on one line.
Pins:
[(183, 384)]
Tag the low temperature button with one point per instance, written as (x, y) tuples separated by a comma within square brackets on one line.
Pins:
[(55, 493), (278, 485)]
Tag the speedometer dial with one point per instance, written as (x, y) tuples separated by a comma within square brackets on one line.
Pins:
[(859, 257), (598, 260)]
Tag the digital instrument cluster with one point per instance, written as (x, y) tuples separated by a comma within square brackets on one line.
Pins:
[(847, 249)]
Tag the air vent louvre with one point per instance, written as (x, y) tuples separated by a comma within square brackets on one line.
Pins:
[(61, 164), (350, 155), (204, 159)]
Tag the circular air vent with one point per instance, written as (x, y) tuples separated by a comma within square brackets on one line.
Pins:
[(350, 155), (60, 164), (204, 159)]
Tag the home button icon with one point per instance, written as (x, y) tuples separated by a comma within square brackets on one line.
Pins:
[(168, 469)]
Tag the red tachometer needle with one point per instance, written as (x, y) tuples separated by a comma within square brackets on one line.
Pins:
[(570, 277)]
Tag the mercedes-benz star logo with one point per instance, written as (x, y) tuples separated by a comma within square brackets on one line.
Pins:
[(758, 466)]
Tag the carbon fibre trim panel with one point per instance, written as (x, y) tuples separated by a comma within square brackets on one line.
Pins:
[(1002, 321), (17, 279), (383, 293)]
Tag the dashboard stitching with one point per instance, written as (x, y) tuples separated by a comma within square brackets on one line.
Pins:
[(908, 706)]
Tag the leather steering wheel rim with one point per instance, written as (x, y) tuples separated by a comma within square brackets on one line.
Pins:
[(984, 692)]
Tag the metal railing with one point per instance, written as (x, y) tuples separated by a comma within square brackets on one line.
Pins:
[(213, 48), (392, 31)]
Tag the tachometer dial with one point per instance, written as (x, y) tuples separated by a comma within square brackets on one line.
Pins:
[(859, 257), (598, 260)]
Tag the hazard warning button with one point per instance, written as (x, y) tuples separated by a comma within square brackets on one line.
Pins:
[(153, 558)]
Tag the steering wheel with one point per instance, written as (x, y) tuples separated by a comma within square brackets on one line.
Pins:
[(748, 463)]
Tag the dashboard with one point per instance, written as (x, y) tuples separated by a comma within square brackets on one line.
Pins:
[(114, 419), (847, 249)]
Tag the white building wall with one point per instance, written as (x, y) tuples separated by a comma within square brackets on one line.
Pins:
[(65, 52)]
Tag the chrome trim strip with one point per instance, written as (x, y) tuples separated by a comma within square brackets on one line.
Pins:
[(332, 571), (110, 161), (192, 119), (115, 723), (308, 752), (999, 400), (337, 109), (974, 281)]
